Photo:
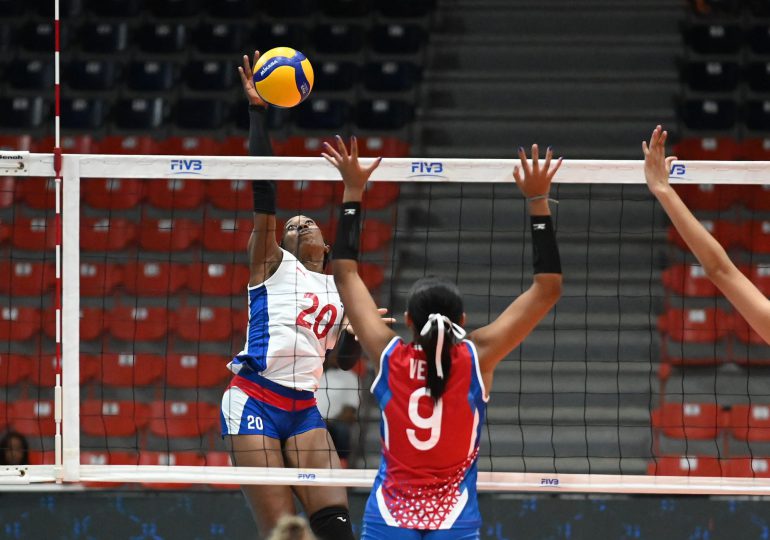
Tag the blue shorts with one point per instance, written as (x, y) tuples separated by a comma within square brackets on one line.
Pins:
[(379, 531), (281, 413)]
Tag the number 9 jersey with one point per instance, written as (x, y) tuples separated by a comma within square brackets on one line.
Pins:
[(294, 318), (427, 476)]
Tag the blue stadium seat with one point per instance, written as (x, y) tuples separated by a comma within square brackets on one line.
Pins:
[(198, 113), (404, 8), (335, 76), (174, 8), (391, 76), (114, 8), (322, 114), (220, 38), (104, 37), (265, 36), (397, 38), (286, 10), (210, 75), (338, 38), (83, 114), (22, 112), (758, 76), (151, 75), (712, 75), (34, 74), (230, 9), (758, 114), (759, 38), (139, 113), (163, 38), (383, 114), (346, 8), (91, 75), (705, 114), (39, 37), (706, 38)]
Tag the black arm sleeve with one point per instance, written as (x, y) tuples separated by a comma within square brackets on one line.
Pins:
[(347, 351), (259, 145)]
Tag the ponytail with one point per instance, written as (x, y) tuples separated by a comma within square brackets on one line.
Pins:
[(437, 337)]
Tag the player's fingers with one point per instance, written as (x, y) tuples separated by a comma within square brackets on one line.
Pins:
[(382, 310), (389, 320), (663, 138), (555, 168), (341, 148), (645, 148), (256, 59), (548, 155), (535, 158), (246, 65), (523, 159), (517, 176), (654, 137), (328, 158), (669, 161), (331, 151), (242, 74), (374, 165), (354, 147)]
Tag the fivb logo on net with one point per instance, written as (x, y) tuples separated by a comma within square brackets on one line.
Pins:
[(186, 166), (678, 170), (427, 169)]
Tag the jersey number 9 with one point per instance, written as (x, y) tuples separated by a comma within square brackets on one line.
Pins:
[(432, 422)]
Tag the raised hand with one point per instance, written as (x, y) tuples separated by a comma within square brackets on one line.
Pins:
[(656, 164), (246, 72), (353, 175), (382, 311), (535, 180)]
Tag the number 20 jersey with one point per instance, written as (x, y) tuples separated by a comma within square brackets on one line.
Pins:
[(427, 476), (294, 318)]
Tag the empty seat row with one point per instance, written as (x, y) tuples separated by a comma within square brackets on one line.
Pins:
[(710, 197), (727, 38), (690, 280), (695, 465), (745, 422), (723, 148), (722, 113), (228, 9), (725, 76), (122, 370), (146, 114), (141, 278), (218, 38), (703, 325), (753, 236), (95, 75)]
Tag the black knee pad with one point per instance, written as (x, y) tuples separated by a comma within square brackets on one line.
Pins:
[(332, 523)]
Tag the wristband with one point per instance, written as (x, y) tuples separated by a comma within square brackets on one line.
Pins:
[(545, 252), (540, 197), (264, 196), (346, 244)]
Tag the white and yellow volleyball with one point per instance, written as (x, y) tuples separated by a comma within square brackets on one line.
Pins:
[(283, 77)]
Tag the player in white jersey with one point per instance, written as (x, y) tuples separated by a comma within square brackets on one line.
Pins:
[(269, 414)]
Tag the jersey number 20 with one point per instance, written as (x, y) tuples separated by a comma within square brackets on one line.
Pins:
[(329, 310), (432, 422)]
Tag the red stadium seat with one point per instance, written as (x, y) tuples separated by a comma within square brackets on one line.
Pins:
[(695, 325), (19, 323), (758, 237), (236, 146), (304, 196), (112, 418), (37, 457), (204, 323), (220, 459), (689, 280), (26, 278), (5, 232), (371, 274), (154, 278), (760, 276), (382, 147), (168, 234), (709, 197), (106, 234), (750, 422), (190, 146), (128, 145), (38, 193), (686, 466), (7, 191), (196, 371), (36, 234), (91, 323), (71, 144), (175, 193), (16, 142), (99, 279), (230, 194), (227, 234), (756, 149), (757, 198), (217, 279), (302, 146), (380, 195), (708, 148), (182, 418), (32, 418), (113, 193), (688, 420), (748, 467), (43, 371), (138, 323), (166, 459), (14, 368), (129, 370), (375, 235), (728, 234)]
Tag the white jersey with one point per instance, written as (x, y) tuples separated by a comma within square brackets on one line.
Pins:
[(294, 318)]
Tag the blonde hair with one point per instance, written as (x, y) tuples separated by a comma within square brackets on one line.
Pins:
[(292, 528)]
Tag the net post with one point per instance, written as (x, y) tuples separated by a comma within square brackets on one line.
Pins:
[(70, 319)]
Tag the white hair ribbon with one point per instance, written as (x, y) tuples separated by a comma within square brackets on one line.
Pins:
[(440, 320)]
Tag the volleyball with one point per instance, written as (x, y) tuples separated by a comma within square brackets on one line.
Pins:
[(283, 77)]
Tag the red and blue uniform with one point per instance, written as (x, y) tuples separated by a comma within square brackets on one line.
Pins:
[(426, 485)]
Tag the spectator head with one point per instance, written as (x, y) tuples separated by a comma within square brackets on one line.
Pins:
[(14, 449)]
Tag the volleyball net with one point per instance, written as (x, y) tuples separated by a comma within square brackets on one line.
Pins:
[(642, 380)]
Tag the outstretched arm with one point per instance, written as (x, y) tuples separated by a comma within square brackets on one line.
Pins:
[(264, 253), (497, 339), (741, 292), (372, 332)]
